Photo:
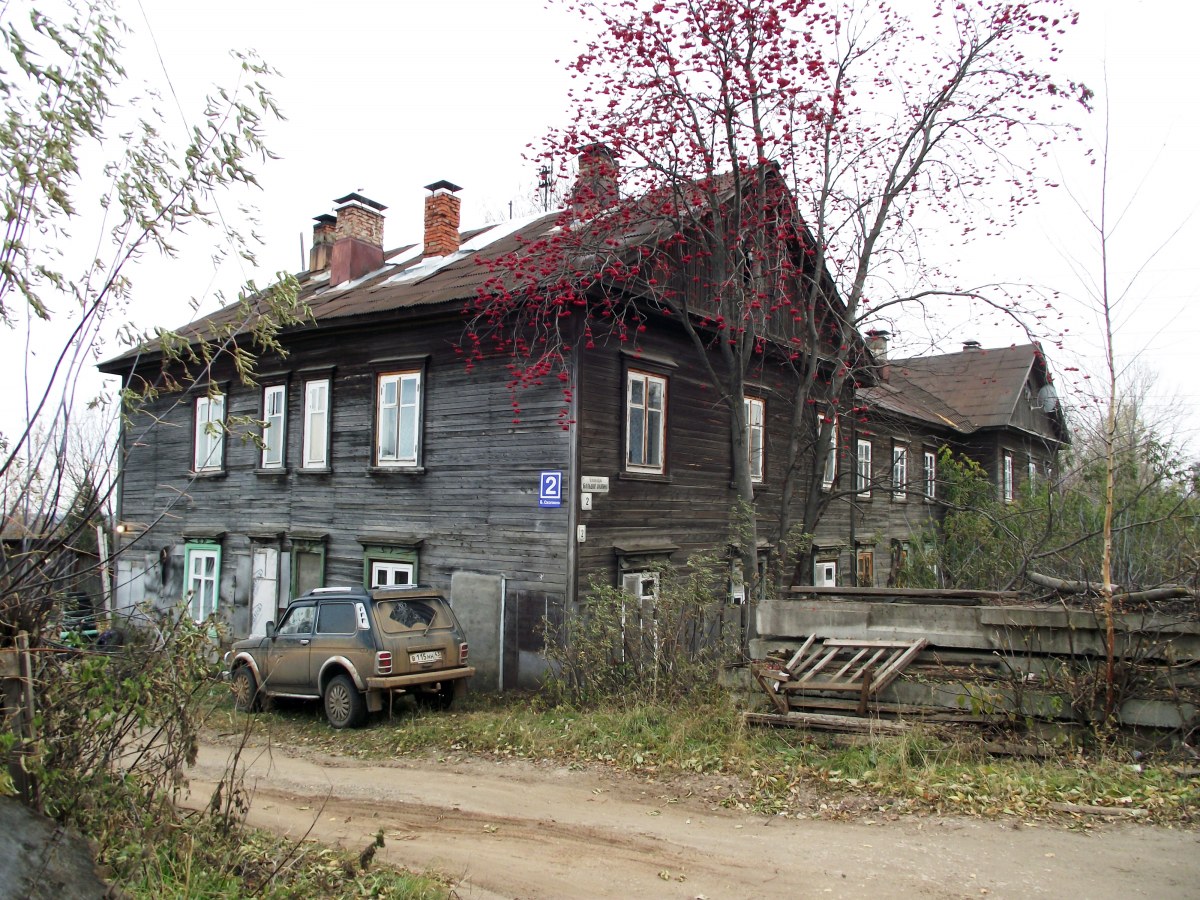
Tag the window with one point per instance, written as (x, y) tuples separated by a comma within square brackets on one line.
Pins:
[(930, 475), (274, 414), (1032, 472), (755, 422), (389, 563), (398, 419), (298, 620), (308, 566), (391, 574), (1006, 479), (645, 424), (336, 618), (825, 573), (862, 480), (202, 565), (829, 474), (866, 567), (316, 424), (642, 585), (209, 436), (899, 472)]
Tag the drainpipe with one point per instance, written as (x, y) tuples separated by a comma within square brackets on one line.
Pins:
[(503, 612)]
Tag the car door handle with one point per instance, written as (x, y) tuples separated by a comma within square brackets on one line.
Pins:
[(304, 642)]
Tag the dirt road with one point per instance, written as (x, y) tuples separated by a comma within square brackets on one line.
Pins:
[(515, 830)]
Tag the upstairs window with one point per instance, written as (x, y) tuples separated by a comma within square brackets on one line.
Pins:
[(829, 472), (274, 414), (316, 424), (755, 436), (862, 475), (208, 444), (899, 472), (1006, 479), (398, 419), (930, 475), (645, 422)]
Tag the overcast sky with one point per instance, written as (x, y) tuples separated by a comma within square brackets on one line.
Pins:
[(385, 97)]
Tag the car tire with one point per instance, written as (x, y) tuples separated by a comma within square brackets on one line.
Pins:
[(245, 690), (345, 706)]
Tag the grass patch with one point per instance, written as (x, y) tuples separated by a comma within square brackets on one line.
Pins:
[(777, 771), (200, 859)]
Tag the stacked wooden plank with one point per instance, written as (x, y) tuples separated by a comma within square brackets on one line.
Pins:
[(830, 667)]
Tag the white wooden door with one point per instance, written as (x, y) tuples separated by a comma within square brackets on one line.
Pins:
[(264, 591)]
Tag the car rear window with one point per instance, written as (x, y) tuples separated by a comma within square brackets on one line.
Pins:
[(396, 616), (336, 618)]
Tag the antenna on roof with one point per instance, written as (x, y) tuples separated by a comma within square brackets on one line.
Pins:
[(545, 185), (303, 255)]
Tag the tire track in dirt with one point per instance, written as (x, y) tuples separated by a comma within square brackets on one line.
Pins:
[(514, 829)]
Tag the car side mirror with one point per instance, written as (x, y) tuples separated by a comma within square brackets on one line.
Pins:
[(270, 629)]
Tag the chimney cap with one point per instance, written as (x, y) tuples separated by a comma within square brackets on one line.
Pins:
[(356, 198), (879, 332), (972, 345), (325, 219), (443, 185)]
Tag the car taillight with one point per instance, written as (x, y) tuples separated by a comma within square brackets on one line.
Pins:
[(462, 653), (383, 662)]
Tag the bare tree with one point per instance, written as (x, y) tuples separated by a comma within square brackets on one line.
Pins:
[(60, 79), (761, 174)]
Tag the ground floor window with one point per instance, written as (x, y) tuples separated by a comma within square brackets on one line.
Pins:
[(202, 565), (390, 574), (389, 564), (308, 566), (825, 573), (866, 567)]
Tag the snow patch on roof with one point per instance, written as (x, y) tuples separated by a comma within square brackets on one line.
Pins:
[(431, 264)]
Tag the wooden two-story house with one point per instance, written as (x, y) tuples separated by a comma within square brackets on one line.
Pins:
[(376, 456)]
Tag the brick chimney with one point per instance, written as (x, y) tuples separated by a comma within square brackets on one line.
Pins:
[(877, 343), (596, 187), (441, 219), (358, 238), (322, 243)]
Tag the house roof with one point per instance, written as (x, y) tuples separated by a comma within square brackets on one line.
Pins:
[(965, 391), (404, 281)]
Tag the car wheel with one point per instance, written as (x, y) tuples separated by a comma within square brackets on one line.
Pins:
[(245, 690), (344, 705)]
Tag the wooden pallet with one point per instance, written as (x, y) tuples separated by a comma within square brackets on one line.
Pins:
[(862, 668)]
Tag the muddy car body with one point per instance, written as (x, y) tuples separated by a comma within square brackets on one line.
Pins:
[(355, 651)]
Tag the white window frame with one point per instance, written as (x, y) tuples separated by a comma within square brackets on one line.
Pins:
[(208, 440), (1032, 471), (756, 438), (930, 476), (862, 468), (317, 394), (202, 589), (1006, 478), (650, 429), (825, 573), (640, 585), (900, 472), (380, 566), (829, 473), (401, 411), (274, 434)]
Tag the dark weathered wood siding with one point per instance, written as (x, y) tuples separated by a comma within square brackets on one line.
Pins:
[(473, 508)]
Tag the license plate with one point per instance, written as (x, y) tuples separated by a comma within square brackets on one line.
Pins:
[(429, 656)]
